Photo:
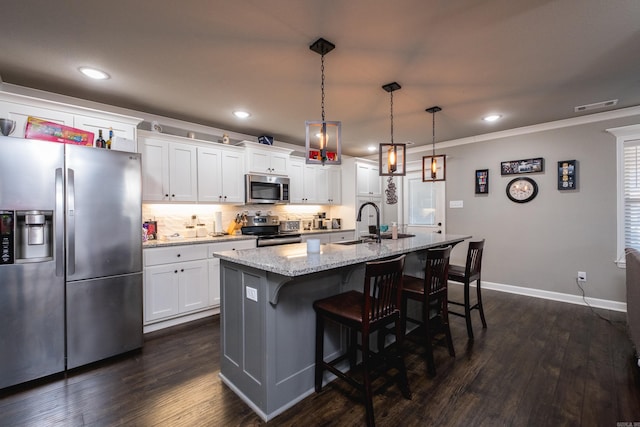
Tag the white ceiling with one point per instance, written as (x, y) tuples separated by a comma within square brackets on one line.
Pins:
[(197, 60)]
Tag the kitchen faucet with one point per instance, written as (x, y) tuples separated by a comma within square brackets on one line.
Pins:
[(359, 218)]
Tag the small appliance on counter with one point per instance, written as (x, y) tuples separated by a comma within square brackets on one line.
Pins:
[(336, 223), (290, 225), (319, 221)]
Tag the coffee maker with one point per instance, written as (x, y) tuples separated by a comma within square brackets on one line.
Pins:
[(319, 221)]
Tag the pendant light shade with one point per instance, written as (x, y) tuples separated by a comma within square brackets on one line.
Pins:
[(392, 158), (323, 139), (433, 167)]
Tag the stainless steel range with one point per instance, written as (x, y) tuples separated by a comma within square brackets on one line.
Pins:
[(267, 229)]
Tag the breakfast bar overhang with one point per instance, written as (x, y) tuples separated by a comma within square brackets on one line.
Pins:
[(268, 322)]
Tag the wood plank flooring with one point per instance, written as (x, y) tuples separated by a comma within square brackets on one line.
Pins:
[(540, 363)]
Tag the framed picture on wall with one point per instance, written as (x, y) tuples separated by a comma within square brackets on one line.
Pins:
[(441, 165), (567, 175), (513, 167), (482, 181)]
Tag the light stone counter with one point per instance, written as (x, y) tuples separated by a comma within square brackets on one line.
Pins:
[(292, 260), (193, 241)]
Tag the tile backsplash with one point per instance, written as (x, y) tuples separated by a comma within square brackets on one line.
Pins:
[(172, 218)]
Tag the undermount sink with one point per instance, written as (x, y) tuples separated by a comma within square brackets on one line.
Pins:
[(373, 240), (400, 236)]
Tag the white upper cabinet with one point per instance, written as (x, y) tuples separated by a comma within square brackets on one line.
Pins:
[(169, 169), (334, 185), (266, 159), (20, 107), (296, 180), (220, 177), (314, 184), (368, 181)]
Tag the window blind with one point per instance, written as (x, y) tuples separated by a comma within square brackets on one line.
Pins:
[(631, 188)]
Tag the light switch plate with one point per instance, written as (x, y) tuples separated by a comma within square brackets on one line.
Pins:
[(456, 204), (252, 294)]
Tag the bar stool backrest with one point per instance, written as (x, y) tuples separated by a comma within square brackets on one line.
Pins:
[(382, 290), (474, 259), (436, 272)]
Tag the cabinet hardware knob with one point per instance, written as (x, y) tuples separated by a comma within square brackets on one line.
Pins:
[(176, 271), (182, 270), (178, 255)]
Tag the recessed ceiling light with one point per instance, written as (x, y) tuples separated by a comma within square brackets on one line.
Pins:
[(492, 117), (241, 114), (372, 148), (94, 73)]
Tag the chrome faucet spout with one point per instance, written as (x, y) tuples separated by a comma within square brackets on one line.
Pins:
[(359, 218)]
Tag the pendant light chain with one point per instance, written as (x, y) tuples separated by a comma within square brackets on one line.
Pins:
[(322, 84), (391, 93), (433, 140)]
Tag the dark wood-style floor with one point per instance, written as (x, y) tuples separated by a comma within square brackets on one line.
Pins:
[(540, 363)]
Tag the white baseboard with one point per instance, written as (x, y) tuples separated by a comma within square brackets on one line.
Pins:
[(555, 296), (152, 327)]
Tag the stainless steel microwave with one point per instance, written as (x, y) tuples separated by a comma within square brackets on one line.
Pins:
[(266, 189)]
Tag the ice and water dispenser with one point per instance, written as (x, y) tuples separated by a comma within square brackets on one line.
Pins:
[(25, 236)]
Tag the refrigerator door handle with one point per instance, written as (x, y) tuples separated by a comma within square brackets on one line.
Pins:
[(59, 224), (71, 226)]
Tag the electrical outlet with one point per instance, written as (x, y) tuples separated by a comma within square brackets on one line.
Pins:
[(252, 293), (582, 276)]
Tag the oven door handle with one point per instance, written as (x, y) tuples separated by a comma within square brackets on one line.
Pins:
[(278, 241)]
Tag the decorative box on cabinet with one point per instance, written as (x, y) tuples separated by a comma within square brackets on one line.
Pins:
[(169, 169)]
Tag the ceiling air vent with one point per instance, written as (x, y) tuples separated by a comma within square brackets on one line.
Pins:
[(595, 106)]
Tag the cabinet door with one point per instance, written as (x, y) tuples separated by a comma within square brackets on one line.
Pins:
[(322, 185), (279, 163), (194, 286), (310, 185), (375, 183), (232, 176), (334, 184), (209, 175), (161, 292), (94, 124), (296, 179), (183, 177), (155, 170), (342, 236), (259, 161), (20, 113), (214, 282)]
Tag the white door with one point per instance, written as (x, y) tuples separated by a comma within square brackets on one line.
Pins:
[(424, 204)]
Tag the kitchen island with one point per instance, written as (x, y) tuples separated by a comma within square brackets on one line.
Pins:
[(268, 322)]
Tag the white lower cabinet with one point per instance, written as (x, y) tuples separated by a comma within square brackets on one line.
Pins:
[(330, 236), (183, 282)]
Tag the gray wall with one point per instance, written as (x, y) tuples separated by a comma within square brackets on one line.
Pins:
[(544, 243)]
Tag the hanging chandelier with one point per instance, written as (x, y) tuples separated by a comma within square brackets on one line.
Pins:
[(437, 164), (323, 138), (391, 156)]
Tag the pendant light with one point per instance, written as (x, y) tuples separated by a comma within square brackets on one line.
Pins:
[(433, 167), (323, 138), (391, 157)]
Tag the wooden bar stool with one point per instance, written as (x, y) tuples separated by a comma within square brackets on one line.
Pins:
[(431, 292), (466, 275), (377, 306)]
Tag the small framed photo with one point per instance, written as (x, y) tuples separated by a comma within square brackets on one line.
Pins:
[(513, 167), (441, 165), (567, 175), (482, 181)]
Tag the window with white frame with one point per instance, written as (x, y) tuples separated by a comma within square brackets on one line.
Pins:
[(628, 209)]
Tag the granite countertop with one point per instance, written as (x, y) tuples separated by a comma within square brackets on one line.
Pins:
[(293, 260), (193, 241), (226, 238)]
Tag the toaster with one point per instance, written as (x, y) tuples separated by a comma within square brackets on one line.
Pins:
[(290, 225)]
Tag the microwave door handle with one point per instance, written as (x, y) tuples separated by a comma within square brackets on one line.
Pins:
[(59, 224), (71, 225)]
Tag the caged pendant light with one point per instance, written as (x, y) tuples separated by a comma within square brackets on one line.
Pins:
[(323, 138), (437, 165), (391, 157)]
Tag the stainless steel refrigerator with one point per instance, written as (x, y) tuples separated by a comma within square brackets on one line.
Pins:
[(70, 257)]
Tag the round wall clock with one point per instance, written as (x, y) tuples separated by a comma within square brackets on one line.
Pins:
[(522, 190)]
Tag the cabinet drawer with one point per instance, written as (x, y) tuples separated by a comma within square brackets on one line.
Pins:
[(156, 256), (231, 246)]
